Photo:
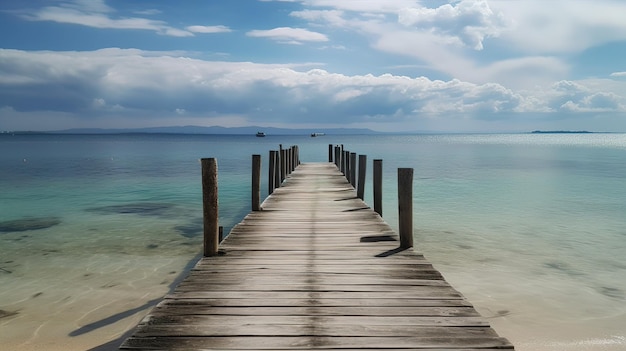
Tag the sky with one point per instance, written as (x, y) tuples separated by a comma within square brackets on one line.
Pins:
[(387, 65)]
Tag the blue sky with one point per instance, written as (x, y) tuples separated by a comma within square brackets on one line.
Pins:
[(388, 65)]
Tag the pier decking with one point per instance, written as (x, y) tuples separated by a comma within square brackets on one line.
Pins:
[(315, 269)]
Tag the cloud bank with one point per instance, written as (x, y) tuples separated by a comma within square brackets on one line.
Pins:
[(120, 84)]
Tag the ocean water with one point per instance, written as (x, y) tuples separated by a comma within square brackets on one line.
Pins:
[(531, 228)]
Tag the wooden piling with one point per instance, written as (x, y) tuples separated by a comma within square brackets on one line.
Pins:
[(353, 169), (277, 170), (288, 158), (377, 180), (271, 185), (256, 182), (297, 155), (360, 193), (330, 153), (283, 165), (405, 207), (210, 206), (345, 167)]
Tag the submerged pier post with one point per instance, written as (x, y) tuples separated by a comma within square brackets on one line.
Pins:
[(209, 206), (405, 207)]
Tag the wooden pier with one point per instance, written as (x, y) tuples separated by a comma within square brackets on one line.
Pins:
[(315, 268)]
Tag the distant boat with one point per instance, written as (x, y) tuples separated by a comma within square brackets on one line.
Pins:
[(313, 135), (260, 134)]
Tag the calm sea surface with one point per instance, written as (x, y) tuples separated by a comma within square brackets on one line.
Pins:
[(531, 228)]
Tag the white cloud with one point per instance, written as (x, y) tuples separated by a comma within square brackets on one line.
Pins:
[(334, 17), (519, 44), (366, 6), (209, 29), (469, 21), (596, 102), (87, 5), (561, 26), (98, 15), (289, 35)]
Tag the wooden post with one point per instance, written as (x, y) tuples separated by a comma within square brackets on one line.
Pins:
[(277, 169), (346, 164), (405, 206), (297, 155), (353, 169), (360, 193), (330, 153), (343, 161), (283, 165), (377, 180), (256, 182), (337, 156), (271, 169), (221, 233), (210, 206), (289, 160)]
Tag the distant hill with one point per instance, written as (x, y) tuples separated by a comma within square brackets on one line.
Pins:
[(218, 130), (561, 132)]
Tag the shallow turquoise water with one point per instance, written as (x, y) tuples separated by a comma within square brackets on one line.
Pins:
[(531, 228)]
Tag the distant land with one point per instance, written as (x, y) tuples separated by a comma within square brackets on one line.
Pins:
[(561, 132), (251, 130)]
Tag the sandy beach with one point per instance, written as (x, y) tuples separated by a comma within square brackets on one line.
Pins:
[(549, 323), (81, 307)]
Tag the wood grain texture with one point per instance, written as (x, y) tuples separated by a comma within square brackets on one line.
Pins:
[(316, 268)]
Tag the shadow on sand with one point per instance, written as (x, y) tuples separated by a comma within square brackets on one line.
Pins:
[(115, 344)]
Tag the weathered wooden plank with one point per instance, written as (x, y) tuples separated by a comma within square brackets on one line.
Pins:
[(312, 342), (312, 300), (443, 293), (276, 330), (311, 308), (415, 321), (316, 268), (202, 286)]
